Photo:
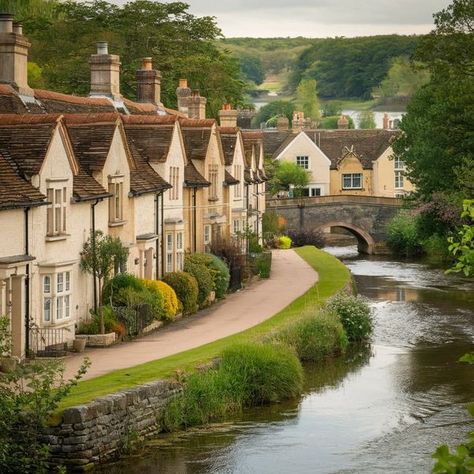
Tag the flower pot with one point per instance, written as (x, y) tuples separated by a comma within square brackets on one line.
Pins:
[(78, 345)]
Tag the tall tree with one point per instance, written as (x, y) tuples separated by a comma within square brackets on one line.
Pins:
[(307, 99), (366, 119)]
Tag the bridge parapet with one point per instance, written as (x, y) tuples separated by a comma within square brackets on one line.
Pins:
[(337, 198)]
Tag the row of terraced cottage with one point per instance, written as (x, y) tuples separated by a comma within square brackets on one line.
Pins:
[(164, 181)]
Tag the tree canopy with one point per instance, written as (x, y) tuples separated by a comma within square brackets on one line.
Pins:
[(307, 99)]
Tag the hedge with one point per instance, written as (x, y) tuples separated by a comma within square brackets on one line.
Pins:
[(186, 288)]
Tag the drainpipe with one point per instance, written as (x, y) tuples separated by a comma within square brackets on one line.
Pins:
[(27, 285), (194, 221), (247, 243), (157, 232), (258, 215), (163, 243), (94, 280)]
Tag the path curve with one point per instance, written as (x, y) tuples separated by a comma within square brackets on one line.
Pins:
[(291, 277)]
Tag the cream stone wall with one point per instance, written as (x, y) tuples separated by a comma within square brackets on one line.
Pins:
[(384, 177), (236, 199), (351, 164), (319, 164), (12, 232)]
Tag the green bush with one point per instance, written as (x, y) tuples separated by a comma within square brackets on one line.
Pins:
[(219, 270), (249, 374), (283, 242), (355, 315), (314, 336), (121, 280), (263, 264), (111, 323), (186, 288), (436, 249), (403, 237), (204, 280), (170, 300)]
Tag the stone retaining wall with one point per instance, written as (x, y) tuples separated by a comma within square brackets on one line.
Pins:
[(93, 433)]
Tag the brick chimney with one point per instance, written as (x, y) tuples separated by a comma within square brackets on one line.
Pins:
[(196, 105), (148, 83), (183, 92), (228, 116), (342, 122), (14, 55), (386, 124), (105, 73), (283, 123)]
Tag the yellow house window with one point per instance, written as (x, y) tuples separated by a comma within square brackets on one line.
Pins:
[(352, 181), (179, 251), (238, 175), (174, 181), (213, 176), (116, 200), (398, 179)]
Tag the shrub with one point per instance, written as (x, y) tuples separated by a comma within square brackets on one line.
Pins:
[(204, 280), (230, 251), (263, 264), (271, 226), (355, 315), (249, 374), (111, 323), (219, 270), (436, 249), (121, 280), (135, 300), (283, 242), (314, 336), (170, 300), (186, 288), (403, 238), (304, 237)]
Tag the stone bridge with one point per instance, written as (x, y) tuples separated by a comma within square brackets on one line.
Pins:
[(365, 217)]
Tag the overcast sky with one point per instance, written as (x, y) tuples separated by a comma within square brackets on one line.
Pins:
[(318, 18)]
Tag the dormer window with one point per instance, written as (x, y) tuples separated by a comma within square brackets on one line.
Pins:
[(303, 162), (213, 176), (174, 181), (238, 175), (116, 200), (56, 211)]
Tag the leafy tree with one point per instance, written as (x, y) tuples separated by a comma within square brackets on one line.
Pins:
[(252, 69), (100, 254), (366, 119), (29, 394), (273, 110), (290, 176), (462, 246), (330, 122), (307, 99)]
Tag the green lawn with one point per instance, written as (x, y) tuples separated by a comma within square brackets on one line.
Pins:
[(333, 276)]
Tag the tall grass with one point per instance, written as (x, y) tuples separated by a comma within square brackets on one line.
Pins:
[(249, 374)]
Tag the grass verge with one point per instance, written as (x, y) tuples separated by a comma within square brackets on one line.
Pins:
[(333, 276)]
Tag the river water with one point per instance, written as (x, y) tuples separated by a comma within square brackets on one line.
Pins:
[(378, 410)]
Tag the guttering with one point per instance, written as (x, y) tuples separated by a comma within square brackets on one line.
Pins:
[(27, 284)]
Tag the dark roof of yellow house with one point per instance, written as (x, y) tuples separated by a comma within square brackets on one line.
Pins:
[(196, 137), (194, 179)]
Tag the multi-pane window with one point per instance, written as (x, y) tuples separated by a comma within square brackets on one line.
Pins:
[(116, 200), (303, 161), (238, 175), (56, 213), (56, 297), (179, 251), (236, 226), (169, 252), (213, 175), (399, 179), (398, 163), (174, 181), (352, 181), (207, 234)]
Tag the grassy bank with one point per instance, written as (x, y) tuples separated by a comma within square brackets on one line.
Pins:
[(333, 276)]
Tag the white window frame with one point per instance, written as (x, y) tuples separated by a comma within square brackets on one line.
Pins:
[(56, 290), (207, 234), (351, 176), (238, 175), (399, 179), (179, 251), (116, 200), (169, 252), (56, 213), (303, 161), (213, 177), (398, 163)]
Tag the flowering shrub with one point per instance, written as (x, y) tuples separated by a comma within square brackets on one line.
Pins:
[(204, 280), (219, 270), (355, 315), (186, 288), (283, 242), (170, 300)]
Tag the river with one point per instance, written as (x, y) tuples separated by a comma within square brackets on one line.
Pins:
[(377, 410)]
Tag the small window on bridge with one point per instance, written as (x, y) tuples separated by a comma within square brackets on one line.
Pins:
[(352, 181)]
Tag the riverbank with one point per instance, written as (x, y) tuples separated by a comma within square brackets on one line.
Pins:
[(333, 276)]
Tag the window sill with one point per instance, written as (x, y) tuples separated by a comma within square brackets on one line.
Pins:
[(55, 238), (117, 223), (213, 199), (352, 189)]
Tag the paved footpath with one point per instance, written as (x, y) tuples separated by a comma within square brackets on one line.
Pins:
[(291, 276)]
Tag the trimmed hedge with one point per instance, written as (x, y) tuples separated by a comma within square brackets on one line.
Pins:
[(204, 280), (170, 300), (186, 288), (119, 281), (219, 270)]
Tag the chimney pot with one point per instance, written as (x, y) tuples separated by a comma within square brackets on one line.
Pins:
[(147, 64), (386, 123), (183, 83), (102, 47), (6, 23)]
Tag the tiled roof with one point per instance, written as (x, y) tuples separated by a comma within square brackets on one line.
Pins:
[(151, 135), (230, 180), (144, 179), (273, 139), (86, 188), (26, 140), (196, 142), (228, 146), (194, 179), (247, 176), (196, 123), (16, 191)]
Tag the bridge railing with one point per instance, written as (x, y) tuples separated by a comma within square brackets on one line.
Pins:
[(334, 199)]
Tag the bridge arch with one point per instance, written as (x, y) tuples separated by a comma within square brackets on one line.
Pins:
[(365, 242)]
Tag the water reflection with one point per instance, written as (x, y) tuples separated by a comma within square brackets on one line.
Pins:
[(381, 409)]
